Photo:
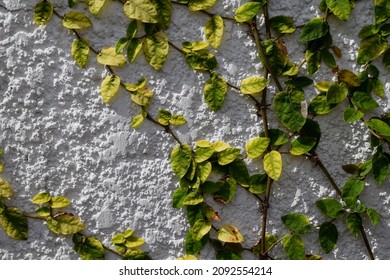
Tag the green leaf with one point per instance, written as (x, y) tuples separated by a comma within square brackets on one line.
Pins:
[(72, 3), (14, 223), (194, 213), (193, 198), (228, 155), (59, 202), (156, 48), (136, 255), (228, 190), (80, 52), (374, 216), (108, 56), (380, 167), (89, 248), (247, 11), (294, 247), (239, 172), (137, 121), (41, 198), (323, 86), (181, 158), (95, 6), (193, 247), (164, 12), (214, 31), (163, 117), (197, 5), (109, 88), (211, 187), (132, 29), (354, 223), (330, 207), (302, 145), (230, 234), (121, 45), (313, 61), (255, 147), (276, 54), (65, 224), (228, 255), (5, 189), (203, 152), (386, 58), (288, 109), (253, 85), (364, 101), (340, 8), (379, 126), (76, 20), (200, 229), (297, 223), (370, 48), (177, 120), (258, 183), (134, 47), (328, 236), (273, 164), (201, 60), (368, 30), (378, 88), (352, 188), (382, 11), (314, 29), (142, 96), (178, 197), (320, 106), (283, 24), (142, 10), (43, 12), (352, 115), (328, 58), (43, 211), (276, 136), (204, 170), (215, 91), (337, 93), (349, 77)]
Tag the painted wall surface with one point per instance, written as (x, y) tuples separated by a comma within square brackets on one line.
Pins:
[(59, 137)]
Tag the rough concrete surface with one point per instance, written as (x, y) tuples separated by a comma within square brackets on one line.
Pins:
[(59, 137)]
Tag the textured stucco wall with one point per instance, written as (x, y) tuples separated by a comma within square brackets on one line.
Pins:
[(59, 137)]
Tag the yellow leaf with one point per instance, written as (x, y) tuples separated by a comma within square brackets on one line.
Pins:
[(76, 20), (273, 164), (108, 56), (109, 88), (229, 233)]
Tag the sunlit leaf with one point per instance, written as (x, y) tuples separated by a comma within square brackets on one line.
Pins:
[(253, 85), (320, 106), (95, 6), (137, 121), (273, 164), (228, 155), (349, 77), (201, 60), (142, 10), (177, 120), (340, 8), (5, 189), (163, 117), (164, 12), (59, 202), (247, 11), (80, 52), (332, 208), (76, 20), (156, 48), (142, 96), (214, 31), (109, 88), (302, 145), (193, 198), (215, 91), (41, 198), (204, 170), (255, 147), (370, 48), (352, 188), (203, 152), (181, 158), (197, 5), (108, 56), (379, 126), (43, 12), (229, 233), (14, 223), (65, 224)]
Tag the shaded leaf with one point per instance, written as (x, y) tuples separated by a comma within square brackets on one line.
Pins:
[(276, 54), (288, 109), (368, 30), (294, 247), (364, 101), (276, 136), (349, 77), (380, 167), (332, 208), (239, 172), (382, 11), (374, 216), (227, 190), (253, 85), (379, 126), (178, 197), (89, 248), (320, 106), (314, 29), (76, 20), (193, 247), (65, 224), (313, 61), (282, 24), (328, 58), (228, 255), (215, 91), (164, 12), (193, 198), (337, 93), (273, 164), (43, 12), (352, 115), (181, 158), (352, 188), (370, 48), (200, 229), (354, 223), (386, 58), (297, 222), (163, 117), (211, 187), (142, 10), (201, 60), (14, 223), (302, 145), (80, 52), (258, 183), (121, 44), (203, 170), (108, 56), (328, 236), (378, 87), (5, 189), (43, 211), (214, 31), (255, 147), (109, 88), (340, 8), (230, 234), (133, 49)]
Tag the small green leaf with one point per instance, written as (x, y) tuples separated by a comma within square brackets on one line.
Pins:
[(328, 236), (276, 136), (43, 12), (80, 52), (352, 188), (288, 109), (203, 153), (14, 223), (330, 207), (181, 158), (193, 198), (65, 224), (273, 164), (239, 172), (197, 5), (95, 6), (340, 8), (352, 115), (177, 120), (297, 223), (5, 189), (258, 183), (121, 45), (132, 29), (156, 48), (247, 11), (294, 247), (276, 54), (163, 117), (214, 31), (354, 223), (337, 93), (253, 85), (314, 29), (204, 170), (380, 167), (374, 216), (43, 211), (379, 126), (200, 229), (302, 145), (228, 155), (142, 10), (142, 96), (364, 101), (320, 106), (382, 11), (109, 88), (89, 248), (108, 56), (76, 20), (134, 47), (201, 60), (59, 202), (41, 198), (137, 121), (230, 234), (215, 91), (378, 88), (370, 48), (283, 24), (255, 147)]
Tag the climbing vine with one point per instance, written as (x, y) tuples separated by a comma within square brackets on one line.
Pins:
[(215, 170)]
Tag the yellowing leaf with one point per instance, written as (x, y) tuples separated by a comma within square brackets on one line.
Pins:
[(109, 88), (142, 10), (247, 11), (137, 121), (108, 56), (181, 158), (215, 91), (43, 11), (80, 52), (256, 146), (219, 146), (76, 20), (230, 234), (253, 85), (5, 189), (14, 223), (273, 164), (197, 5), (228, 155), (142, 96), (177, 120), (65, 224), (95, 6), (200, 229), (214, 31), (41, 198), (59, 202), (133, 242), (156, 49)]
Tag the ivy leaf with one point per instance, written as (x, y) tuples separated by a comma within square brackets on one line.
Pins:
[(340, 8), (109, 88), (14, 223), (370, 48), (302, 145), (239, 172), (181, 158), (379, 126), (328, 236), (197, 5), (156, 48), (283, 24), (134, 47), (65, 224), (89, 248), (294, 247), (320, 106), (382, 11), (258, 183), (314, 29), (297, 222), (142, 10), (352, 115), (253, 85), (201, 60), (228, 155), (80, 52), (256, 146), (5, 189), (247, 11), (330, 207), (364, 101), (337, 93), (164, 12), (354, 223), (380, 167), (230, 234), (95, 6), (215, 91), (288, 109), (273, 164), (59, 202), (200, 229), (108, 56), (214, 31), (374, 216), (276, 54), (76, 20), (43, 12), (41, 198)]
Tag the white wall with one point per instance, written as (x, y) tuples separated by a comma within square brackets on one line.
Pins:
[(59, 137)]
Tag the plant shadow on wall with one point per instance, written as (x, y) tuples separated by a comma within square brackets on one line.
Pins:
[(210, 173)]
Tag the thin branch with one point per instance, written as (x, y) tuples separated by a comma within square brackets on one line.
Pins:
[(203, 11), (35, 217)]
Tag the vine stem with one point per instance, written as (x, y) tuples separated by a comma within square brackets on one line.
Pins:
[(203, 11)]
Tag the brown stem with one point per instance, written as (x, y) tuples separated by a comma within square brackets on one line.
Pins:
[(31, 216)]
